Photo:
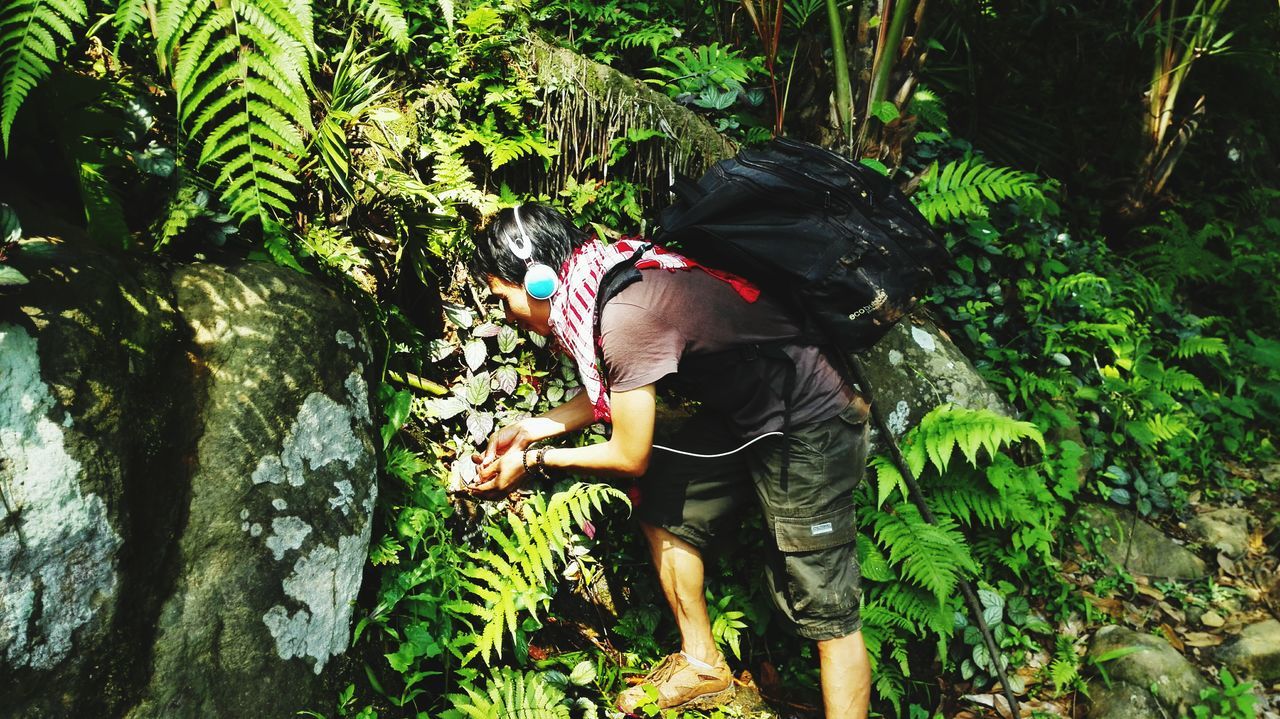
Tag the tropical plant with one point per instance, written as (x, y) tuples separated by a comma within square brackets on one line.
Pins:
[(964, 187), (509, 694), (1235, 700), (30, 31), (240, 73), (1178, 38), (514, 579), (910, 567)]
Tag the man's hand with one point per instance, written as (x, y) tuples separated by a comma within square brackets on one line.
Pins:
[(513, 437), (499, 478)]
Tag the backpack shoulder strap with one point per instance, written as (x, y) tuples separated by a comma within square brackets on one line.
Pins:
[(615, 280)]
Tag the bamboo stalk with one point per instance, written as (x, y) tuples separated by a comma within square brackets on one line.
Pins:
[(840, 61), (887, 54), (419, 383)]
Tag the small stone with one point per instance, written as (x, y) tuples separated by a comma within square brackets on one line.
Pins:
[(1140, 547), (1226, 530), (1256, 653), (1155, 668), (1212, 619), (1271, 474)]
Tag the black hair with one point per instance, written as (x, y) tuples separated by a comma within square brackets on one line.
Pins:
[(552, 235)]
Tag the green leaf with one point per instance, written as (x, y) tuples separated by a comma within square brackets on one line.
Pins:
[(241, 71), (876, 165), (460, 316), (508, 338), (397, 413), (583, 673), (103, 208), (507, 378), (964, 187), (475, 352), (885, 111), (478, 389), (11, 277), (875, 568), (10, 226), (31, 34)]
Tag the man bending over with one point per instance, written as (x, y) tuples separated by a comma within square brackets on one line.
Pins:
[(710, 337)]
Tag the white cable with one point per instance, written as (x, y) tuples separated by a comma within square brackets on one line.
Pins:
[(716, 456)]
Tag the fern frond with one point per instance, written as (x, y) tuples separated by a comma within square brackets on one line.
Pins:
[(964, 187), (1203, 347), (888, 478), (948, 426), (932, 556), (241, 71), (1176, 379), (965, 502), (388, 17), (653, 36), (509, 694), (910, 608), (926, 105), (130, 16), (30, 34), (871, 561), (514, 579), (1070, 285), (1157, 428)]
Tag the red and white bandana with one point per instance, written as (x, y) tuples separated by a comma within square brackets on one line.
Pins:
[(573, 308)]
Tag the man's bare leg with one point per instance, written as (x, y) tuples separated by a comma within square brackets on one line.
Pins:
[(680, 573), (846, 677)]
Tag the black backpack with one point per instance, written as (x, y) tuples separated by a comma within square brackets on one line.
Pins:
[(833, 239)]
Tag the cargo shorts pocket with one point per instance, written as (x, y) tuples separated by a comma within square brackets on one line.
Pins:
[(820, 563), (812, 534)]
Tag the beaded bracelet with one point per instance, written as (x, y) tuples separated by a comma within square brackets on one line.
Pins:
[(537, 469)]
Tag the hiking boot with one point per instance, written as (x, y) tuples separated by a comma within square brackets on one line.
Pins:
[(680, 683)]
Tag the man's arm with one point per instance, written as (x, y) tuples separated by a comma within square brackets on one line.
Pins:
[(626, 454), (567, 417)]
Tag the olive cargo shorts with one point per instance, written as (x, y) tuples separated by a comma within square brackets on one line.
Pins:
[(812, 563)]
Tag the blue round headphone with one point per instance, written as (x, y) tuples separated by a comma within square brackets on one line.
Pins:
[(540, 281)]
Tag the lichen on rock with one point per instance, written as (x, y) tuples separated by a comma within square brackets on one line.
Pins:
[(325, 581), (321, 433), (58, 555)]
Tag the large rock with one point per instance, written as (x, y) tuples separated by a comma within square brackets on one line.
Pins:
[(1255, 653), (1226, 530), (89, 438), (915, 368), (1139, 547), (1140, 666), (187, 469)]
